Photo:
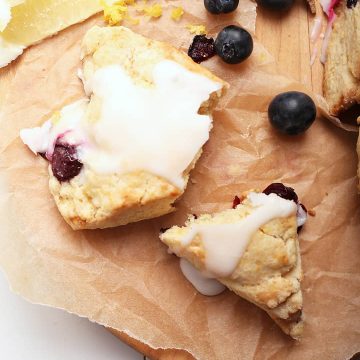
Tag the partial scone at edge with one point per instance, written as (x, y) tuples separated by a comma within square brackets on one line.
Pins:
[(268, 273), (92, 200), (342, 66)]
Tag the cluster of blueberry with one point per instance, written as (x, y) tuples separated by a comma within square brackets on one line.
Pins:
[(293, 112)]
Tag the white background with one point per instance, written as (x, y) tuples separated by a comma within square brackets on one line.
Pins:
[(33, 332)]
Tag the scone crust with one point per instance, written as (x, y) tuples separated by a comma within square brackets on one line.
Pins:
[(269, 272), (312, 5), (91, 200), (342, 67)]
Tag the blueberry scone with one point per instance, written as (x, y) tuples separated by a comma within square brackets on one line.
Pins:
[(342, 66), (251, 249), (124, 154)]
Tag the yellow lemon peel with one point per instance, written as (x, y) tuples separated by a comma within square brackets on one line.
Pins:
[(197, 29), (177, 13), (116, 12), (154, 11)]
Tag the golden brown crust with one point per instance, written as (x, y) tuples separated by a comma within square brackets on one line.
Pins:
[(268, 273), (92, 200), (342, 67), (312, 5), (103, 46)]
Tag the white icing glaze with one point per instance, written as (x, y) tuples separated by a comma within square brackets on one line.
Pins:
[(313, 56), (157, 129), (224, 244), (202, 283), (316, 29), (37, 139), (326, 5), (9, 52), (68, 128), (5, 14), (326, 40), (301, 216)]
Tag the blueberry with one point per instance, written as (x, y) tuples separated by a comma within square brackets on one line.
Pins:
[(283, 191), (221, 6), (277, 5), (351, 3), (64, 163), (201, 48), (234, 44), (292, 112)]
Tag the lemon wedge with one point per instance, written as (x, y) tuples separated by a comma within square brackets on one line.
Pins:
[(34, 20)]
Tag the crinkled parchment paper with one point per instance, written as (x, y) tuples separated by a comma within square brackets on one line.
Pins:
[(124, 278)]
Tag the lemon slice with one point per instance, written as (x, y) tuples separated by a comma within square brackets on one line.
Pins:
[(34, 20)]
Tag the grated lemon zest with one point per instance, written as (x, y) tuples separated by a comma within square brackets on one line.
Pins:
[(154, 11), (197, 29), (177, 13), (132, 20), (117, 11)]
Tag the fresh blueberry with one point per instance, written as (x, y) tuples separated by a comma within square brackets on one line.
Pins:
[(234, 44), (276, 5), (64, 163), (292, 112), (221, 6)]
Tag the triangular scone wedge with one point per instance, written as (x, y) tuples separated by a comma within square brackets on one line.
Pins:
[(268, 273), (100, 199)]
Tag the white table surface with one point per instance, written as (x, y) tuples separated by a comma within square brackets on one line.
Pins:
[(33, 332)]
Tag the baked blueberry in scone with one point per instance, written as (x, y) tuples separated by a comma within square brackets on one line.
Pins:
[(252, 249), (125, 153)]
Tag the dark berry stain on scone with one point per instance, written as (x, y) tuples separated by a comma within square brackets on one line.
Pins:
[(283, 191), (288, 193), (351, 3), (236, 202), (201, 49), (64, 163)]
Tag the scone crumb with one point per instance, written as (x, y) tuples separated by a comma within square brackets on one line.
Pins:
[(177, 13), (197, 29), (312, 212)]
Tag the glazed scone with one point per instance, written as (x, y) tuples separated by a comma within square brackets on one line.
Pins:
[(342, 66), (131, 147), (267, 265)]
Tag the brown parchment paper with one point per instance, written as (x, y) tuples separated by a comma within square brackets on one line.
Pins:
[(124, 278)]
